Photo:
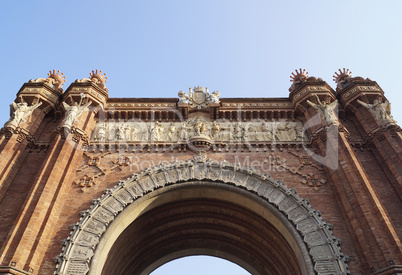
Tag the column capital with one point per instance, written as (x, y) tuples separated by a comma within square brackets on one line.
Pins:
[(93, 88), (307, 88)]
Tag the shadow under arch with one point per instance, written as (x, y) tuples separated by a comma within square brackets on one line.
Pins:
[(201, 207)]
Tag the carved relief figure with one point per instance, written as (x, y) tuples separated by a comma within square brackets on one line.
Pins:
[(74, 111), (382, 110), (326, 110), (134, 132), (200, 127), (101, 132), (156, 132), (266, 131), (254, 129), (216, 130), (281, 133), (127, 132), (291, 131), (184, 131), (235, 131), (239, 132), (171, 132), (19, 112), (299, 131), (145, 135), (119, 132)]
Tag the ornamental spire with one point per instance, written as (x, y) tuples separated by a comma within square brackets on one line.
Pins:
[(300, 75), (56, 77), (342, 75)]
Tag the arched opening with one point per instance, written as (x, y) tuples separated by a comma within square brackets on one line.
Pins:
[(200, 265), (204, 218), (201, 208)]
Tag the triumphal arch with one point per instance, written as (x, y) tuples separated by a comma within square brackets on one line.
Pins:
[(306, 184)]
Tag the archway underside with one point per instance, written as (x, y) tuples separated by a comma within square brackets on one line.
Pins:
[(201, 226)]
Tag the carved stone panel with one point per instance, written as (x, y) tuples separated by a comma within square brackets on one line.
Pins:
[(326, 267), (321, 253), (75, 268), (95, 227), (103, 215), (218, 131)]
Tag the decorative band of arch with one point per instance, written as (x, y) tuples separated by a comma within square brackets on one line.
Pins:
[(323, 246)]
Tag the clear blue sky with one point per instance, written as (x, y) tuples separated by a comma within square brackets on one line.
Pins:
[(240, 48), (200, 265)]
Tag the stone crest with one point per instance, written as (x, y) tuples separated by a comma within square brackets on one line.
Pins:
[(199, 98)]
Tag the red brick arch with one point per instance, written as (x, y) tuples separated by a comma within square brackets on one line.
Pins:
[(253, 220)]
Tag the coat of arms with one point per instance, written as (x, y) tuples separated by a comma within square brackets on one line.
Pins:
[(199, 97)]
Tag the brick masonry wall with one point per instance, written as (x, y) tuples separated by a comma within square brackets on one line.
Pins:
[(92, 172)]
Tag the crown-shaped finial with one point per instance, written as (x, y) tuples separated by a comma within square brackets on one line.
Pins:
[(97, 77), (199, 88), (345, 73), (56, 77), (301, 74)]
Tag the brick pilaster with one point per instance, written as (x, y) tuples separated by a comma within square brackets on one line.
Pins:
[(373, 233), (33, 229), (15, 138), (382, 136)]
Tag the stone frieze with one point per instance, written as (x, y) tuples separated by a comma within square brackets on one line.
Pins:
[(218, 131)]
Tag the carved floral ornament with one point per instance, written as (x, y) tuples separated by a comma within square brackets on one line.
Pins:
[(323, 246)]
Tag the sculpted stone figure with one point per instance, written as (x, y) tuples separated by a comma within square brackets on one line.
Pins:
[(73, 112), (214, 97), (19, 112), (299, 131), (119, 132), (127, 132), (291, 131), (382, 110), (134, 132), (101, 132), (183, 97), (254, 130), (156, 131), (266, 131), (200, 127), (184, 131), (326, 110), (281, 133), (171, 132), (216, 130), (240, 132)]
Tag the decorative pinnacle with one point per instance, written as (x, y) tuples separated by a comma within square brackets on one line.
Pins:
[(341, 75), (299, 74), (98, 77), (59, 78)]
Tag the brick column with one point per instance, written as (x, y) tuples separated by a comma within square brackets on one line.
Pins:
[(373, 233), (15, 136), (34, 228), (381, 135)]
